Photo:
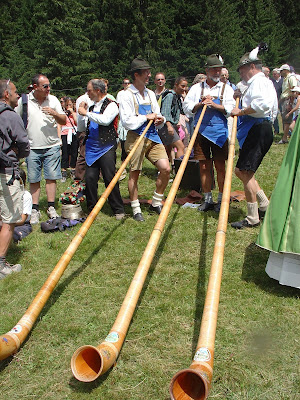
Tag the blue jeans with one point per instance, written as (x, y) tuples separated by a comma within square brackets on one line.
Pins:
[(49, 159)]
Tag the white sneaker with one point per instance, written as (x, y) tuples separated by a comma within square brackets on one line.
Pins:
[(7, 269), (51, 212), (35, 217)]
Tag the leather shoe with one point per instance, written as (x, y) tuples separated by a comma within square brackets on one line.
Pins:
[(156, 209), (138, 217), (217, 207), (261, 214), (206, 206), (243, 224)]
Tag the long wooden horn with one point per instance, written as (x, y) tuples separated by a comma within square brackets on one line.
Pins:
[(11, 341), (194, 382), (89, 362)]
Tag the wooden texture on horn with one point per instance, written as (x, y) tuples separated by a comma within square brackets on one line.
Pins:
[(89, 362), (11, 341), (194, 382)]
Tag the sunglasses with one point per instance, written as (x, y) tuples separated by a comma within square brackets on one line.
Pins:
[(46, 86)]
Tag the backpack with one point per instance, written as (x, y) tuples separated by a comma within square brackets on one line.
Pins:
[(176, 102), (4, 159)]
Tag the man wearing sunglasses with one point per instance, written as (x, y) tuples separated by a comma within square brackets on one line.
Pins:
[(44, 113)]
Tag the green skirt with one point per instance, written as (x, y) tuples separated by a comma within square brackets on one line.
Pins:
[(280, 231)]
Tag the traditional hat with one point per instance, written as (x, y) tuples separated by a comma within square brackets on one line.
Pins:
[(285, 66), (252, 57), (214, 61), (139, 63)]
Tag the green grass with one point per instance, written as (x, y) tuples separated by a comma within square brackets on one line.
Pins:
[(257, 342)]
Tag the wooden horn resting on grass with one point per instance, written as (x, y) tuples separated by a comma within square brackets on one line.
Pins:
[(194, 382), (89, 362), (11, 341)]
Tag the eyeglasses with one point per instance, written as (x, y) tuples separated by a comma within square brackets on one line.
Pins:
[(46, 86)]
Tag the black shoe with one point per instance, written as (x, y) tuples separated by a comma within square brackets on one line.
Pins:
[(261, 214), (138, 217), (243, 224), (217, 207), (206, 206), (156, 209)]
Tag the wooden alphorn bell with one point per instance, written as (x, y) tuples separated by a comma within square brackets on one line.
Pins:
[(12, 340), (194, 382), (89, 362)]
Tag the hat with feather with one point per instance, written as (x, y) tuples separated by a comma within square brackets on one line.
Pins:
[(252, 57), (214, 61)]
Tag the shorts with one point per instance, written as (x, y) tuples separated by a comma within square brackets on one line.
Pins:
[(49, 159), (11, 200), (166, 138), (151, 150), (255, 147), (285, 109), (204, 149)]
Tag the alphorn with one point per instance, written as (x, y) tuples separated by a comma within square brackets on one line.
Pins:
[(194, 382), (89, 362), (11, 341)]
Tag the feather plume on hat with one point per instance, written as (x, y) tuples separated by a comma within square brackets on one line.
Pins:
[(254, 53)]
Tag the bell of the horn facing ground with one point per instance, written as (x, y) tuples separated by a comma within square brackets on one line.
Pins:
[(193, 383), (9, 344), (89, 362)]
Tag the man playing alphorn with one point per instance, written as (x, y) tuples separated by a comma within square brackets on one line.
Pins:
[(258, 111), (138, 106), (212, 140)]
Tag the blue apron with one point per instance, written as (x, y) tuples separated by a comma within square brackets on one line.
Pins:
[(245, 123), (151, 134), (94, 149), (214, 125)]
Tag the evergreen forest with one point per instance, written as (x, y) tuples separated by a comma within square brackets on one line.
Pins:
[(72, 41)]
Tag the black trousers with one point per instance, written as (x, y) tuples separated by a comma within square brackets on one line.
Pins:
[(67, 151), (107, 165)]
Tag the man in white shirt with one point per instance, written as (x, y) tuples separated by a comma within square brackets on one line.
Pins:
[(100, 148), (258, 111), (211, 144), (44, 113), (138, 106)]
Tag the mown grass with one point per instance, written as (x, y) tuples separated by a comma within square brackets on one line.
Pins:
[(257, 343)]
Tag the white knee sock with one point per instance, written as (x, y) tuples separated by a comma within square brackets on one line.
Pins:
[(252, 216), (157, 199), (262, 200), (135, 205)]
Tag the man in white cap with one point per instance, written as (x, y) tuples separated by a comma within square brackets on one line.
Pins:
[(258, 108), (286, 100)]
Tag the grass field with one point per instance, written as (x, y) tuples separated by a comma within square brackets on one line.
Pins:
[(257, 349)]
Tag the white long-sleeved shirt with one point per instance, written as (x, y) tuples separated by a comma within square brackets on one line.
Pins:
[(128, 116), (105, 119), (260, 96), (194, 95)]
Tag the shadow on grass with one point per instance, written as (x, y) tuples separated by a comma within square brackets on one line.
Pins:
[(201, 286), (55, 295), (255, 262), (88, 387)]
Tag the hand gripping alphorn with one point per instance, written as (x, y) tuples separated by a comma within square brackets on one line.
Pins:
[(89, 362), (11, 341), (194, 382)]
